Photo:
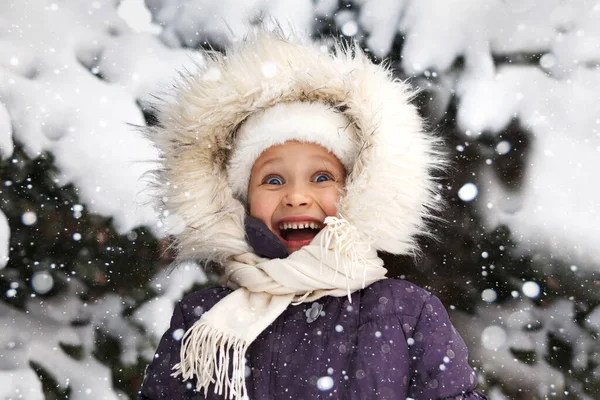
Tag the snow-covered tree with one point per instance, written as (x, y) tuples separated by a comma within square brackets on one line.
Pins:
[(512, 86)]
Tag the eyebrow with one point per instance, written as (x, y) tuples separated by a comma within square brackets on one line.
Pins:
[(322, 157), (270, 160), (276, 159)]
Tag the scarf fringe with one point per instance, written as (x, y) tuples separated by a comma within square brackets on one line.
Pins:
[(206, 353), (208, 350), (348, 246)]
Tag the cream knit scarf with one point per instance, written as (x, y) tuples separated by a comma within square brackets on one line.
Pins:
[(336, 263)]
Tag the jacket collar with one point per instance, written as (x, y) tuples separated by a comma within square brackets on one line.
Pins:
[(264, 242)]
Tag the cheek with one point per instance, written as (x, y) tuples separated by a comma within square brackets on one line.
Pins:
[(262, 206), (329, 200)]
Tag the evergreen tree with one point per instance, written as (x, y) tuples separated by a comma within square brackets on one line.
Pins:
[(80, 285)]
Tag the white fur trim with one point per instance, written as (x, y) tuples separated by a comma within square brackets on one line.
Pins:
[(303, 122), (389, 191)]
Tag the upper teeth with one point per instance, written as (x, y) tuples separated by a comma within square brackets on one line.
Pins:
[(299, 225)]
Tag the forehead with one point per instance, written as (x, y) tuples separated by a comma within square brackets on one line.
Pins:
[(291, 152)]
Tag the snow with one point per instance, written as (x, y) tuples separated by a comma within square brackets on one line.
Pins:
[(154, 315), (489, 295), (24, 384), (42, 282), (325, 8), (381, 20), (494, 331), (36, 337), (4, 240), (557, 102), (195, 21), (557, 207), (493, 337), (71, 86), (438, 31), (137, 16), (145, 66), (511, 327), (560, 110), (29, 218), (106, 314), (54, 102), (74, 75), (6, 143), (531, 289), (325, 383), (468, 192), (593, 320)]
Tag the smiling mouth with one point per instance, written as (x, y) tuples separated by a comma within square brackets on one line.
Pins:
[(299, 232)]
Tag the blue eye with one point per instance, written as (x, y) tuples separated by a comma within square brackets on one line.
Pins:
[(321, 178), (273, 180)]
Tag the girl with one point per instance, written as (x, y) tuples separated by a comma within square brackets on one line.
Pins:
[(290, 168)]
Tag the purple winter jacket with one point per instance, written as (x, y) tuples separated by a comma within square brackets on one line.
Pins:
[(392, 341)]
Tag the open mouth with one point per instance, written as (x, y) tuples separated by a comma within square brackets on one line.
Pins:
[(302, 232)]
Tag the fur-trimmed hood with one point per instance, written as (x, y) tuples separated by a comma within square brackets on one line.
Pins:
[(390, 190)]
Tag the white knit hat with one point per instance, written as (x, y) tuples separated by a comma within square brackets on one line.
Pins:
[(300, 121)]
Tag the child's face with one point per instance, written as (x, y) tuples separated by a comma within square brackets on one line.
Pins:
[(292, 185)]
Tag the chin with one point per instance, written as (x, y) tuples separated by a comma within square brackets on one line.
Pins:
[(293, 249)]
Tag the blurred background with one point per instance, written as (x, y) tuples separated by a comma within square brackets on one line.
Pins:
[(513, 87)]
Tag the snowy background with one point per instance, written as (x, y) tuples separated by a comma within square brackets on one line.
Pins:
[(514, 87)]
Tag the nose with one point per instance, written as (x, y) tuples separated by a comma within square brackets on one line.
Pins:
[(297, 196)]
